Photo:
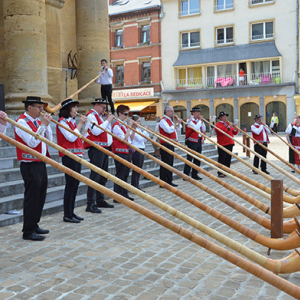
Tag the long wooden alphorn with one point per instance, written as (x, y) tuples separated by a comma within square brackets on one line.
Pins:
[(52, 110), (276, 281), (253, 235)]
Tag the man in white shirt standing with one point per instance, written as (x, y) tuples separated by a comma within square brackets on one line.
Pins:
[(194, 139), (33, 170), (3, 123), (260, 133), (95, 198), (170, 130), (106, 84)]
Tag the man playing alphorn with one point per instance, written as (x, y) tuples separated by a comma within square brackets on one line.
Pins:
[(3, 123), (260, 133), (194, 139), (95, 198), (293, 138), (33, 170)]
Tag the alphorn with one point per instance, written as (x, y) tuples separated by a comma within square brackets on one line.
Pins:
[(52, 110), (288, 212), (267, 276), (281, 266)]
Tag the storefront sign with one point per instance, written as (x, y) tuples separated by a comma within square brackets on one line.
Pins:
[(133, 93)]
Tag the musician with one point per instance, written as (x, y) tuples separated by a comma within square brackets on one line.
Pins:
[(260, 133), (138, 141), (106, 83), (73, 144), (121, 149), (33, 170), (225, 141), (3, 123), (293, 138), (169, 129), (95, 198), (194, 139)]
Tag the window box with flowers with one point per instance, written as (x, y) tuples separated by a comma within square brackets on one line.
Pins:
[(118, 84), (145, 82)]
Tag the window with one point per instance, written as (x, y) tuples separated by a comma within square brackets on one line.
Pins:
[(120, 75), (119, 38), (253, 2), (190, 77), (189, 7), (146, 72), (190, 39), (223, 4), (210, 76), (145, 38), (262, 31), (224, 35)]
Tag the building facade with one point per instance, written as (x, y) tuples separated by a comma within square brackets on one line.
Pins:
[(233, 56), (135, 55)]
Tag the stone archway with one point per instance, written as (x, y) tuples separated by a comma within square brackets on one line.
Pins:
[(226, 108), (280, 109), (247, 114)]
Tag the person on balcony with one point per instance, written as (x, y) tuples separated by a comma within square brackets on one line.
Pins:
[(242, 76)]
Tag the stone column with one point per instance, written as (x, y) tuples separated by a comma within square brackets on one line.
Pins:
[(25, 51), (92, 24)]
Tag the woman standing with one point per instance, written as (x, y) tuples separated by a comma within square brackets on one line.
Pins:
[(274, 122), (138, 141), (73, 144)]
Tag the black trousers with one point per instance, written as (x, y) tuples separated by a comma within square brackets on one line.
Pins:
[(71, 186), (35, 179), (100, 160), (275, 128), (137, 160), (260, 150), (106, 91), (198, 148), (167, 158), (122, 172), (225, 158)]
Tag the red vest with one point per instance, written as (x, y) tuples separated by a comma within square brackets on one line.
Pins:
[(22, 155), (191, 134), (117, 146), (75, 147), (223, 139), (172, 136), (100, 139), (260, 137)]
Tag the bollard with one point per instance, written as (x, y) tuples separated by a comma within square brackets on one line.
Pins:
[(248, 145)]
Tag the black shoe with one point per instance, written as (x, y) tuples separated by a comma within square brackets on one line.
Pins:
[(173, 184), (130, 198), (116, 202), (197, 178), (265, 171), (104, 204), (71, 220), (93, 209), (293, 171), (141, 190), (41, 231), (254, 172), (33, 237), (77, 217)]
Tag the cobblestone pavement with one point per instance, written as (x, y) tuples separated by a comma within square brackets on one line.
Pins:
[(120, 254)]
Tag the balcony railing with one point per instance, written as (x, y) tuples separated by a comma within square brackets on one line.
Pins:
[(190, 45), (223, 7), (189, 83), (185, 13), (254, 2), (262, 37), (224, 42)]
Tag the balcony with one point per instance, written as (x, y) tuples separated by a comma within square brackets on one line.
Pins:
[(195, 83)]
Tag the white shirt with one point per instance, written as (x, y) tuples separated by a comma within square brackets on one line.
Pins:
[(260, 129), (167, 128), (96, 130), (106, 77), (199, 126), (138, 140), (289, 130), (119, 132), (3, 128), (30, 140)]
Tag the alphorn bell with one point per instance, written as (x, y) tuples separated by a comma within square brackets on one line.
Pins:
[(278, 282), (279, 267), (52, 110)]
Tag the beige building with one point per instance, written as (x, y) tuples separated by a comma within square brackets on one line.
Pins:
[(36, 39), (233, 56)]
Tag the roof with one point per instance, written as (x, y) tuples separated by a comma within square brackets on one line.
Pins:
[(125, 6), (223, 54)]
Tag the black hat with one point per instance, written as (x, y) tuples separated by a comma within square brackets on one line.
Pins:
[(222, 113), (69, 101), (195, 109), (257, 116), (33, 99), (99, 101)]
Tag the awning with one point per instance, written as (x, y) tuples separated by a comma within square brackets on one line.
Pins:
[(136, 106), (230, 53)]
